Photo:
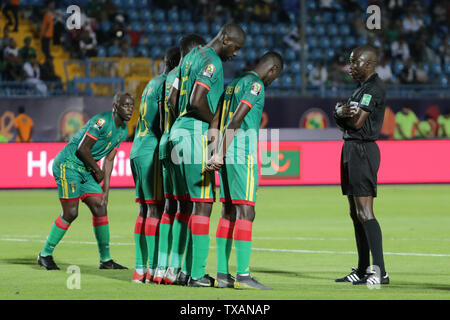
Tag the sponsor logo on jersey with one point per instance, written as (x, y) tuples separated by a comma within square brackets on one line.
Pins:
[(366, 99), (256, 89), (209, 70), (100, 123)]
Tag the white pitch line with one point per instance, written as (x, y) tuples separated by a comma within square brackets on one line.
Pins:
[(256, 249)]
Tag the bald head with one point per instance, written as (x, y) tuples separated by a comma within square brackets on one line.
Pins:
[(234, 33), (363, 61), (367, 53)]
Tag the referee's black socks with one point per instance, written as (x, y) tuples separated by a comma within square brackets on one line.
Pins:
[(374, 237), (362, 246)]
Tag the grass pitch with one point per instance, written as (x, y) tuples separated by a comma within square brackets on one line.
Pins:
[(302, 240)]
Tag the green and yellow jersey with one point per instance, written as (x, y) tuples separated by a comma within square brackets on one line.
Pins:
[(147, 132)]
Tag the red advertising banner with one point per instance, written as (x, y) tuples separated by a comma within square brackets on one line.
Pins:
[(29, 165)]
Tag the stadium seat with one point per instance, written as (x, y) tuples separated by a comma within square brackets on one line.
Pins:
[(251, 55), (329, 54), (324, 42), (349, 41), (443, 80), (295, 67), (319, 30), (250, 41), (112, 50), (128, 3), (136, 26), (316, 54), (287, 80), (173, 15), (244, 27), (117, 3), (240, 65), (309, 67), (101, 52), (332, 30), (215, 28), (166, 41), (131, 52), (185, 15), (176, 27), (159, 15), (310, 30), (436, 68), (362, 41), (312, 42), (447, 68), (337, 42), (260, 41), (298, 80), (105, 26), (150, 27), (267, 28), (289, 54), (146, 15), (436, 42), (327, 17), (255, 28), (345, 30), (141, 4), (142, 50), (189, 27), (133, 15), (269, 41), (163, 27), (397, 67), (153, 39), (340, 17), (282, 29), (156, 53), (202, 28)]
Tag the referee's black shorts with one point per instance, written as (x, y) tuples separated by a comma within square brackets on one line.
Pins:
[(360, 161)]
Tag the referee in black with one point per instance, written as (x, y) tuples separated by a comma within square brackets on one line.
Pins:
[(361, 119)]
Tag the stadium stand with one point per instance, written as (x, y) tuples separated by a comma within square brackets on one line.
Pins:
[(150, 27)]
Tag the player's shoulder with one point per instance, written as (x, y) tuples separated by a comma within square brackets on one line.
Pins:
[(253, 83), (173, 72), (209, 57), (101, 120)]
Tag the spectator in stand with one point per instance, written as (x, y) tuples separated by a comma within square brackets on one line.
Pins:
[(88, 42), (318, 75), (336, 74), (444, 124), (27, 50), (12, 7), (13, 63), (407, 76), (425, 129), (94, 9), (24, 125), (292, 39), (400, 49), (392, 32), (262, 11), (47, 29), (444, 51), (4, 42), (406, 121), (359, 25), (421, 76), (48, 74), (411, 23), (384, 71), (109, 11), (33, 75)]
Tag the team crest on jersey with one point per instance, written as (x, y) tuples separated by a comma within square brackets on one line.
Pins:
[(100, 123), (256, 89), (209, 70)]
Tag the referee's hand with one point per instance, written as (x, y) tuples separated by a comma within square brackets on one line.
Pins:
[(345, 111)]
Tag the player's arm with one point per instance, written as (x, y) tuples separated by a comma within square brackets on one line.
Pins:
[(84, 154), (172, 100), (199, 102), (214, 131), (356, 122), (216, 162), (108, 165)]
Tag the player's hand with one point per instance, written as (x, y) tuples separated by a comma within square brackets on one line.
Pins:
[(99, 175), (346, 110), (214, 164)]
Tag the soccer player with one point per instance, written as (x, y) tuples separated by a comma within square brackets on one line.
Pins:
[(200, 85), (172, 230), (361, 119), (146, 169), (242, 109), (78, 177)]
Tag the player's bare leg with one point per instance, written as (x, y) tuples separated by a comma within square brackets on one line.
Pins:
[(199, 221), (224, 241), (243, 242), (364, 210), (101, 230), (59, 229), (165, 239)]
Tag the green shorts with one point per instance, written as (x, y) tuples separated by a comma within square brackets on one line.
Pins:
[(74, 182), (147, 175), (189, 155), (239, 182)]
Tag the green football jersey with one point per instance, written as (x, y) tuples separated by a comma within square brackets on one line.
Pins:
[(101, 128), (171, 76), (248, 89), (147, 132), (204, 67)]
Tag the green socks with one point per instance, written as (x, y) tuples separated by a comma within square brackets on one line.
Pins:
[(140, 244), (152, 237), (224, 240), (200, 245), (101, 231), (57, 232), (243, 243), (165, 240), (179, 232)]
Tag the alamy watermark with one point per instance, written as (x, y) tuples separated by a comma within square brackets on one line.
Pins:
[(374, 20), (74, 20), (74, 280)]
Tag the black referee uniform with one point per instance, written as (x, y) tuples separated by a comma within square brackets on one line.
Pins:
[(360, 158)]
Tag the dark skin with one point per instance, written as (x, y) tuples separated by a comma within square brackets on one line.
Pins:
[(267, 72), (362, 67), (97, 205)]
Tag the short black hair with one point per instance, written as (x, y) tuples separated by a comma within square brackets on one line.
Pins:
[(274, 58), (190, 41), (172, 57), (120, 94)]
